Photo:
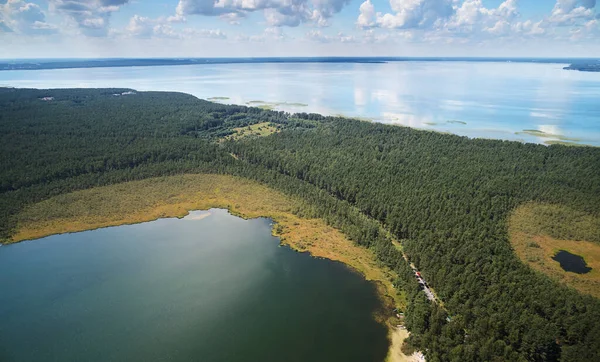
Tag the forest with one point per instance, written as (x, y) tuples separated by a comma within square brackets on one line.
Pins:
[(446, 198)]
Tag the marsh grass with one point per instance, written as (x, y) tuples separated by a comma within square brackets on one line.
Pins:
[(174, 196)]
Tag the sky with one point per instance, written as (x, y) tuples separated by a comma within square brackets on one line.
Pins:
[(252, 28)]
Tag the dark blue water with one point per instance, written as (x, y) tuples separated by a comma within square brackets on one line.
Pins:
[(571, 262), (217, 288)]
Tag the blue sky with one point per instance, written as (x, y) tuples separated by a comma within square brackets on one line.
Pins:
[(208, 28)]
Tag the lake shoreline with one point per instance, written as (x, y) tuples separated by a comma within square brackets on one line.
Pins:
[(297, 233)]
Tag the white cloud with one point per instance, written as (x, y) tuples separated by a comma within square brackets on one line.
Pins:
[(204, 33), (91, 16), (451, 21), (529, 28), (233, 18), (140, 26), (570, 12), (410, 14), (269, 34), (323, 10), (26, 18), (277, 12), (366, 19), (590, 30), (411, 26), (274, 17), (317, 35), (144, 27)]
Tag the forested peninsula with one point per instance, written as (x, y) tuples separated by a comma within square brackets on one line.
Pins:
[(585, 66), (445, 202)]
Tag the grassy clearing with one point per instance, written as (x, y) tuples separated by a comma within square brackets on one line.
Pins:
[(174, 196), (255, 130), (539, 231), (557, 221)]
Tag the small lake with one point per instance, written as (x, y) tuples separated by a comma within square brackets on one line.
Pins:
[(209, 287), (515, 101), (571, 262)]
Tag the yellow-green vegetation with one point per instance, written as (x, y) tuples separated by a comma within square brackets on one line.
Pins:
[(564, 143), (293, 104), (538, 231), (174, 196), (538, 133), (272, 105), (266, 107), (256, 130), (212, 99)]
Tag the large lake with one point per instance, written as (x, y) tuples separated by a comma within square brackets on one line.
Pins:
[(209, 287), (476, 99)]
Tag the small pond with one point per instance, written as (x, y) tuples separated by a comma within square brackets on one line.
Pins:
[(571, 262)]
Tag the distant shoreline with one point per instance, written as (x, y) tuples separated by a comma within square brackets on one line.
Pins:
[(39, 64), (591, 66)]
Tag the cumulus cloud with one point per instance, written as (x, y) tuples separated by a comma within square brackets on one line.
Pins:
[(366, 19), (416, 13), (529, 27), (277, 12), (140, 26), (269, 34), (144, 27), (317, 35), (572, 12), (474, 13), (473, 17), (293, 17), (91, 16), (323, 10), (204, 33), (451, 21), (26, 18)]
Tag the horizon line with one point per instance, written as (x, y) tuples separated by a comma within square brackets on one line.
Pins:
[(307, 57)]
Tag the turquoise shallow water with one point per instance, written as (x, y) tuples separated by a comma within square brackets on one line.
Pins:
[(490, 100), (217, 288)]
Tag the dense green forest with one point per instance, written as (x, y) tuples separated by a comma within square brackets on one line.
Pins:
[(447, 198)]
